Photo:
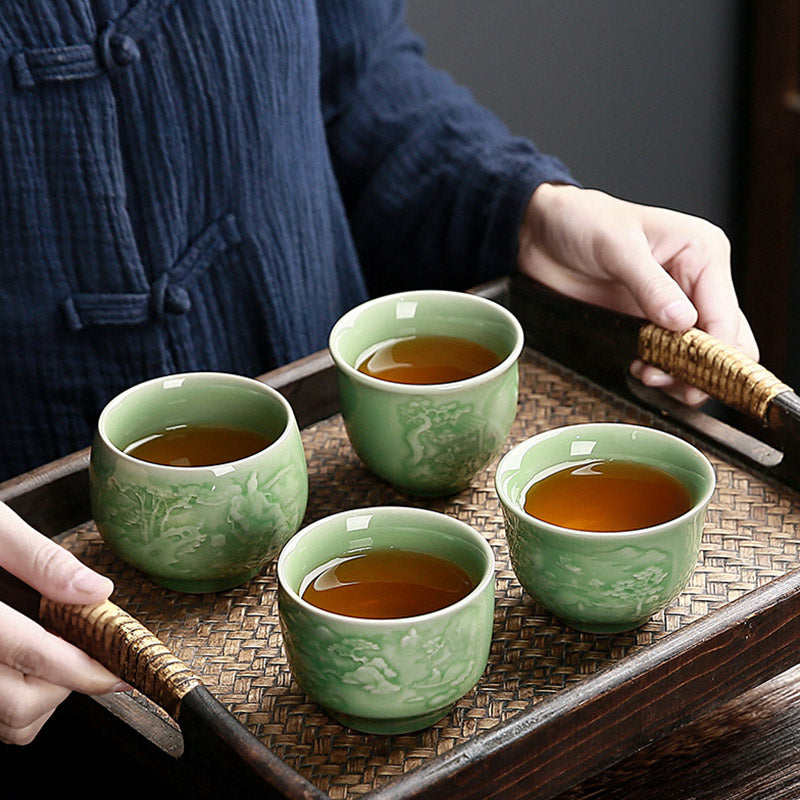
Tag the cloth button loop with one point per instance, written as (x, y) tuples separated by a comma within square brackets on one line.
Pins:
[(168, 294), (74, 62), (168, 298)]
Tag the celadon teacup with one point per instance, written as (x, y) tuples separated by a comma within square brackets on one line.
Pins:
[(427, 440), (198, 528), (603, 582), (387, 675)]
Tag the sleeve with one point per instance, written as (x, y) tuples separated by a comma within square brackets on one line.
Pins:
[(433, 183)]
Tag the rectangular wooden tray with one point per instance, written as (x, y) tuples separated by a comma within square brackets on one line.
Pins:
[(554, 706)]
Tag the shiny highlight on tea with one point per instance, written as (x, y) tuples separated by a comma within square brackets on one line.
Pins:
[(608, 495), (428, 360), (198, 445), (386, 584)]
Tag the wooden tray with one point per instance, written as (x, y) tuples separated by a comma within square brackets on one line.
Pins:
[(554, 706)]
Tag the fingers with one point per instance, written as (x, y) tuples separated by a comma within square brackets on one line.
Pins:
[(600, 249), (37, 671), (26, 703), (658, 379), (670, 267), (31, 650), (697, 254), (46, 566), (625, 255)]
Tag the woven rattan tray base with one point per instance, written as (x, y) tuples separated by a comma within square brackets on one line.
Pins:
[(233, 639)]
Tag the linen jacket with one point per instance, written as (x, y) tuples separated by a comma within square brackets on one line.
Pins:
[(209, 184)]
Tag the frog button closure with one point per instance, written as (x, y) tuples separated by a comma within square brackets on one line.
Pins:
[(168, 294), (114, 47), (74, 62)]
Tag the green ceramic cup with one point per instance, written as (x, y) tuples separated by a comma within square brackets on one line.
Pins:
[(603, 582), (427, 440), (387, 675), (198, 529)]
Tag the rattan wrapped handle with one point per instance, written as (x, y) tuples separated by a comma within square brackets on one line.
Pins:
[(716, 368), (126, 647)]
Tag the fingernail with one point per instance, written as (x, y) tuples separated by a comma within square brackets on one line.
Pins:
[(87, 581), (656, 378), (122, 687), (680, 311), (695, 397)]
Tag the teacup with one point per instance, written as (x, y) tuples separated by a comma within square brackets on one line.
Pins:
[(427, 439), (198, 528), (392, 675), (603, 581)]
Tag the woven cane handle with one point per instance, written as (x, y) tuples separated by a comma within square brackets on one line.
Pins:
[(718, 369), (126, 647)]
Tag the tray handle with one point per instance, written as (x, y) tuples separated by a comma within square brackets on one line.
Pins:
[(716, 368), (126, 647), (220, 754), (756, 415)]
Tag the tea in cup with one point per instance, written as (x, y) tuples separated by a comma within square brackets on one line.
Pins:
[(428, 385), (198, 479), (387, 614), (604, 520)]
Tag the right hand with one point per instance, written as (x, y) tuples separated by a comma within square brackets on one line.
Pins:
[(38, 670), (671, 268)]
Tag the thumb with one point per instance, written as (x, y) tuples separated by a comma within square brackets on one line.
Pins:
[(656, 292), (666, 304), (46, 566)]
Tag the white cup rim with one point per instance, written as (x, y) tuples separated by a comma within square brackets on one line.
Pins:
[(518, 450), (346, 321), (229, 377), (400, 511)]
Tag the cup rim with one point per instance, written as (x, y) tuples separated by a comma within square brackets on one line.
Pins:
[(230, 377), (388, 622), (435, 388), (521, 447)]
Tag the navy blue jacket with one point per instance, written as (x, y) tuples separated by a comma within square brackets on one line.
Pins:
[(209, 184)]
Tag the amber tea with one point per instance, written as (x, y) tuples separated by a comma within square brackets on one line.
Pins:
[(608, 495), (387, 584), (429, 359), (198, 445)]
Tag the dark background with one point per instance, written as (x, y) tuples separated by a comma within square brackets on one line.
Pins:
[(642, 99), (650, 101)]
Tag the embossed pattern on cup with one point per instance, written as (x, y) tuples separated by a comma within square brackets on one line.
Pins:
[(427, 440), (198, 529), (603, 582), (387, 675)]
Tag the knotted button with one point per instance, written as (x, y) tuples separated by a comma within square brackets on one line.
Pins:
[(168, 298), (167, 295), (116, 49)]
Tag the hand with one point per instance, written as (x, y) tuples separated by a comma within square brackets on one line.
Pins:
[(672, 268), (37, 669)]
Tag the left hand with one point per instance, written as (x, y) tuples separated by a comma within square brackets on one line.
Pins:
[(672, 268), (38, 669)]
